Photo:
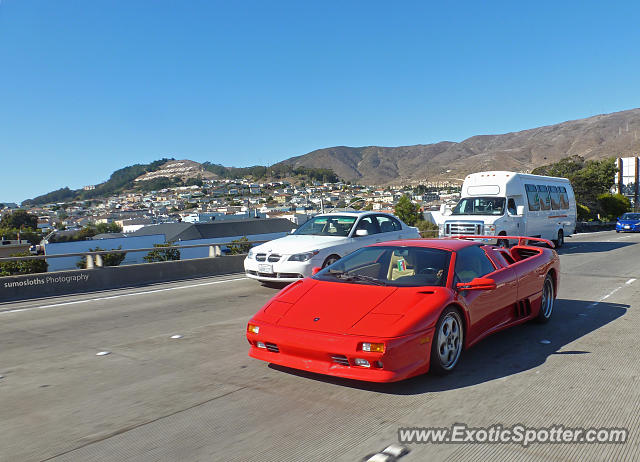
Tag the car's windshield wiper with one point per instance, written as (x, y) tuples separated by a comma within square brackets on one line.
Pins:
[(358, 277)]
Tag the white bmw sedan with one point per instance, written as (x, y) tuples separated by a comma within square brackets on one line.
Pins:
[(321, 241)]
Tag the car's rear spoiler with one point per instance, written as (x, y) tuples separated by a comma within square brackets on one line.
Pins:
[(522, 240)]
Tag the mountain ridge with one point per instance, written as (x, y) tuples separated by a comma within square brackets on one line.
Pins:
[(595, 137)]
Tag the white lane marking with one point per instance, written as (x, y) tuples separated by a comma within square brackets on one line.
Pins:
[(594, 304), (110, 297), (610, 293)]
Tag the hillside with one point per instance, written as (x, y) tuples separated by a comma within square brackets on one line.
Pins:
[(592, 138)]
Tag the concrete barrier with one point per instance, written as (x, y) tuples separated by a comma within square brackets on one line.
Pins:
[(591, 226), (39, 285)]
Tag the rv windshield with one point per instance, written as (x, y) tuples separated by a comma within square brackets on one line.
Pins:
[(479, 206)]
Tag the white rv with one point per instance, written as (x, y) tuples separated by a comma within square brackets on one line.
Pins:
[(513, 204)]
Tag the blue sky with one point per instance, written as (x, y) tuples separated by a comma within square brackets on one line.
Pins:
[(87, 87)]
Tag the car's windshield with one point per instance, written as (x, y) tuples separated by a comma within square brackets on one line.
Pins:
[(631, 216), (392, 266), (479, 206), (333, 225)]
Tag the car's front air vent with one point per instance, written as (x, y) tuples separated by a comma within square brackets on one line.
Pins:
[(340, 359), (272, 347)]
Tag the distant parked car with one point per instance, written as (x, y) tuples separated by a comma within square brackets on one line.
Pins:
[(628, 222), (321, 241)]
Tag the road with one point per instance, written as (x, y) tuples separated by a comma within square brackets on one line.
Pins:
[(201, 398)]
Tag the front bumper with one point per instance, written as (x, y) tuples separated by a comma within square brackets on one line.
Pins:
[(335, 354), (628, 228), (282, 271)]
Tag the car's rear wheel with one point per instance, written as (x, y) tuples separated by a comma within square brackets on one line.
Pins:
[(331, 259), (448, 339), (548, 299)]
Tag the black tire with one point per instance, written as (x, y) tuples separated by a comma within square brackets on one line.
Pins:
[(330, 260), (617, 231), (560, 241), (504, 243), (447, 342), (547, 302)]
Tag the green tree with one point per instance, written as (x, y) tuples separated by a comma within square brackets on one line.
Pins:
[(112, 227), (407, 211), (108, 259), (19, 219), (162, 254), (11, 268), (613, 205), (241, 246), (589, 179)]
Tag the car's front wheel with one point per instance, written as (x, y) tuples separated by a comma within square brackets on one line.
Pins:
[(448, 339), (331, 259)]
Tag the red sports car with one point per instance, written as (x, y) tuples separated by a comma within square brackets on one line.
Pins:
[(397, 309)]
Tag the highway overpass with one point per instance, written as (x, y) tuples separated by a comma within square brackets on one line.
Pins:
[(200, 397)]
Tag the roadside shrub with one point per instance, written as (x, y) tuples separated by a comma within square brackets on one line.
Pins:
[(162, 254), (241, 246), (584, 213), (11, 268), (427, 229), (613, 205), (108, 259)]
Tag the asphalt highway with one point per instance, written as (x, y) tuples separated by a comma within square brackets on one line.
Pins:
[(199, 397)]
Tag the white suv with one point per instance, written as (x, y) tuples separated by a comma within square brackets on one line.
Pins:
[(321, 241)]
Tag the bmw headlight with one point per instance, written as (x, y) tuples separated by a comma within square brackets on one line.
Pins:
[(305, 256), (251, 254)]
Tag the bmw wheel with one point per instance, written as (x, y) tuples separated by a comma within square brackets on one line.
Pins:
[(331, 259), (447, 342)]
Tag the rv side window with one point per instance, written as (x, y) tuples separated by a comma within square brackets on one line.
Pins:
[(564, 197), (555, 198), (532, 197), (543, 194)]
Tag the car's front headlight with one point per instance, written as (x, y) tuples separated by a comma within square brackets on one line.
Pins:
[(305, 256), (250, 254), (618, 223)]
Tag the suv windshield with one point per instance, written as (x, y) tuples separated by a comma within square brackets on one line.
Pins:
[(480, 206), (390, 266), (333, 225)]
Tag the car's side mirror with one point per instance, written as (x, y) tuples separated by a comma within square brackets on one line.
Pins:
[(361, 232), (315, 270), (477, 284), (520, 209)]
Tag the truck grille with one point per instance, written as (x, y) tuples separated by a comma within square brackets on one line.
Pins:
[(462, 228)]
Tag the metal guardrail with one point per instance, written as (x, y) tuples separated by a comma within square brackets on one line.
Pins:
[(214, 251)]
